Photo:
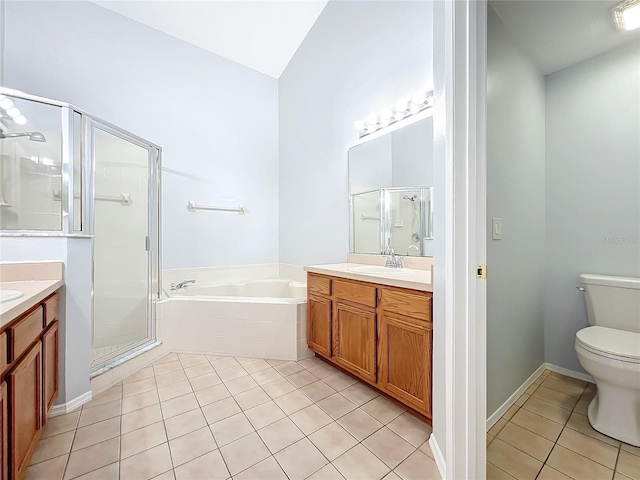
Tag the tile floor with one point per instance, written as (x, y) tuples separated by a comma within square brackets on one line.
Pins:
[(546, 435), (208, 417)]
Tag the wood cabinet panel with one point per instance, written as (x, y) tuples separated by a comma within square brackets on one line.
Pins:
[(24, 332), (319, 285), (405, 364), (355, 292), (319, 324), (354, 339), (25, 409), (4, 426), (50, 345), (4, 353), (51, 308), (406, 303)]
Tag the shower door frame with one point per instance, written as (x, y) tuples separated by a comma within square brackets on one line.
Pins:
[(153, 238), (87, 196)]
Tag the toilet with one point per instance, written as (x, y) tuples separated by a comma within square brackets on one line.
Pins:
[(609, 350)]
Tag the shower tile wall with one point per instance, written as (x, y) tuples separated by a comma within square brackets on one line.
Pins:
[(31, 184)]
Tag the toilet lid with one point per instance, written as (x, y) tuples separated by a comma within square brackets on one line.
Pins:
[(611, 342)]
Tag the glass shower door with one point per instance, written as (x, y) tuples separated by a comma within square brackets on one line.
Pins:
[(122, 299)]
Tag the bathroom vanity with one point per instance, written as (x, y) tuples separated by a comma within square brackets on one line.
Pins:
[(29, 343), (374, 328)]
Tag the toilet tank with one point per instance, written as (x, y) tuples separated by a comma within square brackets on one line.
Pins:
[(613, 302)]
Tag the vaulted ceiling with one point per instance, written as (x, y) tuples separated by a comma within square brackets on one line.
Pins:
[(262, 35)]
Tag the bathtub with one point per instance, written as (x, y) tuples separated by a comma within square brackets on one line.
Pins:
[(274, 290), (256, 318)]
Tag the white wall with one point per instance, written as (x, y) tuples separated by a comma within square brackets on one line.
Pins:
[(515, 193), (593, 187), (216, 120), (358, 58), (75, 304)]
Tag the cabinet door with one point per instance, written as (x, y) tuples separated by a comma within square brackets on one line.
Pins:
[(405, 364), (50, 341), (354, 340), (319, 324), (4, 426), (25, 409)]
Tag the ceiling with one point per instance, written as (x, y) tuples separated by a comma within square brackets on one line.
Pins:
[(262, 35), (561, 33)]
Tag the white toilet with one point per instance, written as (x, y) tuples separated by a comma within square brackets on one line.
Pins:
[(610, 351)]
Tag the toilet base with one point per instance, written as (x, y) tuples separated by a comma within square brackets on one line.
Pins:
[(615, 410), (607, 417)]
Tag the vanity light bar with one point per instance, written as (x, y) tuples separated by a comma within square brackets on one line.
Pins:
[(420, 101), (10, 110), (626, 15)]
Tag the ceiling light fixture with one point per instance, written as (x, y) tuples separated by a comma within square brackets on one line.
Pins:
[(402, 109), (626, 15)]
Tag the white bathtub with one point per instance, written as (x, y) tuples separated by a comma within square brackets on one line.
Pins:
[(273, 290), (258, 318)]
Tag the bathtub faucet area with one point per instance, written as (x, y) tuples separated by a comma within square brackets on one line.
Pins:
[(180, 285)]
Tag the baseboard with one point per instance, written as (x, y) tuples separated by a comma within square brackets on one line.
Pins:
[(71, 405), (569, 373), (437, 456), (491, 421)]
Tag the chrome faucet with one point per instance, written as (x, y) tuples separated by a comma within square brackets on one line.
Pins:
[(413, 246), (392, 260), (180, 285)]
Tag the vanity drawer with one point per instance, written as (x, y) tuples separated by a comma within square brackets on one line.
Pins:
[(355, 292), (404, 303), (319, 285), (25, 332), (51, 308)]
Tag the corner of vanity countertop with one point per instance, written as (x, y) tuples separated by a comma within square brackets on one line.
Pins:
[(36, 281)]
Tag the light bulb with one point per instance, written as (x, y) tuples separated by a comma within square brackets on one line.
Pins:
[(386, 116), (359, 125), (6, 103), (13, 112), (372, 119), (20, 120), (419, 98), (401, 107)]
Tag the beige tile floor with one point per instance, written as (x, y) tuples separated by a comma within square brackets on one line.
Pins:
[(208, 417), (546, 435)]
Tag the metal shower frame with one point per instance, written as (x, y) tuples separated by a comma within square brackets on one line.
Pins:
[(89, 123)]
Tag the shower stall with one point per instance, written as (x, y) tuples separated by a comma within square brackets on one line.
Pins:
[(64, 172), (398, 217)]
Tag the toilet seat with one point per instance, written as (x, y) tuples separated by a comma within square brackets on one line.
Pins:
[(611, 343)]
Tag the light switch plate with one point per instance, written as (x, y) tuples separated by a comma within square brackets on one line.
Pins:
[(496, 228)]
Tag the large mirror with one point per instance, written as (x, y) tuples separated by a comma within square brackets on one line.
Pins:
[(390, 193)]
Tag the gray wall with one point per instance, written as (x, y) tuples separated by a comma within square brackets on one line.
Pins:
[(216, 120), (592, 188), (75, 304), (358, 58), (515, 193)]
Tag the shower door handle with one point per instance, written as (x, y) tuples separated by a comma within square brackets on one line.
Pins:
[(147, 243)]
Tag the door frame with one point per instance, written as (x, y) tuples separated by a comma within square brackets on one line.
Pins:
[(154, 271), (459, 438)]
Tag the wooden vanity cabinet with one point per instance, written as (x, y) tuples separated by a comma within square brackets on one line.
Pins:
[(319, 324), (24, 383), (382, 335), (354, 339), (29, 382)]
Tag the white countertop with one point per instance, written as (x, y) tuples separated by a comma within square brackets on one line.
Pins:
[(413, 279), (34, 291)]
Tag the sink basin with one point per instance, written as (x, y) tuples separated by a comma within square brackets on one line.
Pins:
[(8, 295), (382, 271)]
